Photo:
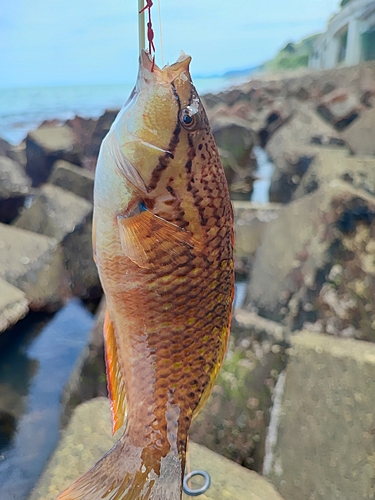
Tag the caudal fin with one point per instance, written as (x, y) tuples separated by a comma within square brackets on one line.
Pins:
[(122, 474)]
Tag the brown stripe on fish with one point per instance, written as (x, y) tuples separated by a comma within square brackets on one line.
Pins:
[(169, 155)]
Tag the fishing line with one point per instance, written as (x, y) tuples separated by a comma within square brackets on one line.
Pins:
[(161, 35), (141, 26)]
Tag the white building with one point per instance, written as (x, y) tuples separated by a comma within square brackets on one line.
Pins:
[(350, 36)]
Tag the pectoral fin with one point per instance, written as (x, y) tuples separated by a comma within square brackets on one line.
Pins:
[(115, 381), (150, 241)]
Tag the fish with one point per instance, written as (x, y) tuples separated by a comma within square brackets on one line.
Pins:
[(163, 244)]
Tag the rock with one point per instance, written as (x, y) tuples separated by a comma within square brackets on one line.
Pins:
[(249, 223), (235, 141), (14, 187), (83, 129), (67, 218), (5, 147), (74, 179), (100, 131), (278, 113), (235, 418), (34, 264), (46, 145), (293, 147), (13, 305), (321, 442), (360, 136), (88, 438), (18, 154), (331, 164), (340, 107), (315, 263)]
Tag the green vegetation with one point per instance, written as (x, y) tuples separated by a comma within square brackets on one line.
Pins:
[(293, 55)]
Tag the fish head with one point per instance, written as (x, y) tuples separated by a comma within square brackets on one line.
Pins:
[(155, 137), (163, 154)]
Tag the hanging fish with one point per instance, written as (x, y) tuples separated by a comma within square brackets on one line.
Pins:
[(163, 244)]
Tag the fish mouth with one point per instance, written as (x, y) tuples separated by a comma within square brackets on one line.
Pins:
[(148, 70)]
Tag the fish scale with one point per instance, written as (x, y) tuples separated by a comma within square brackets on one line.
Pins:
[(163, 244)]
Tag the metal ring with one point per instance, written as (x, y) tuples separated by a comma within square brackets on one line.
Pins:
[(202, 489)]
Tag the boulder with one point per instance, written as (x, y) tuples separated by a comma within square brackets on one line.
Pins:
[(72, 178), (100, 131), (360, 136), (88, 437), (315, 264), (293, 147), (235, 418), (18, 154), (340, 108), (14, 187), (5, 147), (321, 438), (235, 141), (44, 146), (34, 264), (13, 305), (331, 164), (67, 218)]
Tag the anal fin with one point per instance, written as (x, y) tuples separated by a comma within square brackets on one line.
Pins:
[(115, 381)]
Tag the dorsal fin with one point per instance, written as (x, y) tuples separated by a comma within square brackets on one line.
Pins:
[(115, 381), (149, 240)]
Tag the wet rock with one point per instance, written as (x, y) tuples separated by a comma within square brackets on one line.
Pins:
[(331, 164), (13, 306), (235, 418), (235, 141), (340, 108), (360, 136), (67, 218), (74, 179), (14, 187), (88, 437), (294, 278), (293, 147), (44, 146), (321, 442), (34, 264)]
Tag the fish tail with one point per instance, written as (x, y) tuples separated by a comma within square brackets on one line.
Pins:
[(124, 474)]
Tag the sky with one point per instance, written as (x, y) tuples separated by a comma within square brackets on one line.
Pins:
[(67, 42)]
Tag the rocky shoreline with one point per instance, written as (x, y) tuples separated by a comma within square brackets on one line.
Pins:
[(307, 257)]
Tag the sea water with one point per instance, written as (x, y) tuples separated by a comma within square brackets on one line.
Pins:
[(24, 109)]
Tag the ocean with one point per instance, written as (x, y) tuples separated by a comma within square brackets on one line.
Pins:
[(23, 109)]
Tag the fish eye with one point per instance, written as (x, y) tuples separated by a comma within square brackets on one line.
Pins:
[(189, 119)]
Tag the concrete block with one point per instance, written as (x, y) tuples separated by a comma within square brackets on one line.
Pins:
[(88, 438), (321, 440), (74, 179), (34, 264), (13, 305)]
